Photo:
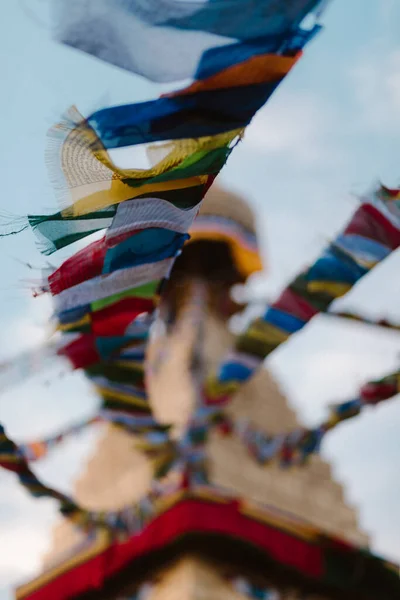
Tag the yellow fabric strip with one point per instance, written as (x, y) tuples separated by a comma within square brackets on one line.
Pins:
[(265, 332), (332, 421), (176, 152), (127, 398), (75, 143), (119, 192), (333, 288), (159, 461), (129, 365), (9, 458), (146, 446), (214, 388), (86, 320)]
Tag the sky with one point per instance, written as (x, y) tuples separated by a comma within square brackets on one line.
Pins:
[(327, 134)]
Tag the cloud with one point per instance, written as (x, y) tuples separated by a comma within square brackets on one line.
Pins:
[(25, 522), (387, 542), (28, 329), (376, 81), (365, 455), (294, 126), (377, 294), (388, 11), (330, 359), (23, 544), (31, 409), (25, 526)]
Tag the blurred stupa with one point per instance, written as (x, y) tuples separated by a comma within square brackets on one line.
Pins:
[(221, 253)]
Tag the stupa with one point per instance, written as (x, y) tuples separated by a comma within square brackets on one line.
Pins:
[(270, 530)]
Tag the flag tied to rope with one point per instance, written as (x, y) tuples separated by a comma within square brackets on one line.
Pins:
[(372, 234), (106, 295)]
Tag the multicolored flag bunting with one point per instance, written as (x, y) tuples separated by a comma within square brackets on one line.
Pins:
[(370, 236), (36, 450), (295, 447), (106, 296), (175, 41), (384, 323), (127, 521), (292, 448), (185, 457)]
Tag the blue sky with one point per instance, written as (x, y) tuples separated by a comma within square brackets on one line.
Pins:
[(330, 130)]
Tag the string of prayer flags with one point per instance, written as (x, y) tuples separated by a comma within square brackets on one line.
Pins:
[(295, 447), (198, 139), (82, 281), (174, 209), (380, 390), (386, 324), (86, 179), (105, 296), (189, 454), (86, 318), (370, 236), (104, 286), (291, 448), (114, 321), (57, 231), (147, 246), (186, 456), (118, 319), (87, 349), (125, 405), (60, 230), (13, 460), (175, 41), (121, 523), (36, 450), (136, 215), (182, 117)]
